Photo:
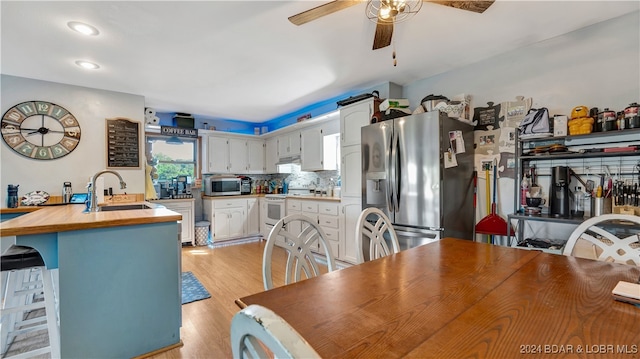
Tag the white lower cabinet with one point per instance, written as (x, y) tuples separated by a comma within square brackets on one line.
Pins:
[(310, 209), (232, 218), (329, 220), (326, 214), (186, 207), (228, 223), (264, 228), (253, 217), (292, 207), (350, 211)]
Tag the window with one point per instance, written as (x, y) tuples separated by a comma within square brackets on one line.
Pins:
[(174, 156)]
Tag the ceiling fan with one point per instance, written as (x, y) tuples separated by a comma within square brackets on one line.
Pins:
[(385, 13)]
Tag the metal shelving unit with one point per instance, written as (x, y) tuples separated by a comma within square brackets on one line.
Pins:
[(582, 148)]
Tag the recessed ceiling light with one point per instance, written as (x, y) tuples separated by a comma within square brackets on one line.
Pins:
[(87, 65), (83, 28)]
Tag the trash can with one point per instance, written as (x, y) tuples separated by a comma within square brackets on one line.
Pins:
[(202, 233)]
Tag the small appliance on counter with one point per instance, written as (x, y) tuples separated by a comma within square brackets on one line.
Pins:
[(245, 185), (223, 186), (559, 194), (67, 192), (181, 187), (177, 188), (12, 196)]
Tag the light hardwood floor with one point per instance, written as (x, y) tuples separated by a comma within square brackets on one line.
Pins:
[(228, 273)]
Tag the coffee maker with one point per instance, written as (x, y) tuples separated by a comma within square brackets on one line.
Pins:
[(559, 193)]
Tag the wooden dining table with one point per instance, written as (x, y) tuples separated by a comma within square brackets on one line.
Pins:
[(456, 298)]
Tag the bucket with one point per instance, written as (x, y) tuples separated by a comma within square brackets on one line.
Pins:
[(202, 233)]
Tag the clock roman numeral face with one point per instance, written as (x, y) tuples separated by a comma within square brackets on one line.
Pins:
[(40, 130)]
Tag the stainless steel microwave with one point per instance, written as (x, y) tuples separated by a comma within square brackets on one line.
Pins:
[(222, 186)]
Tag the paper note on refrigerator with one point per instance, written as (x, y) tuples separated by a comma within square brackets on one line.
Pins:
[(450, 159), (456, 142)]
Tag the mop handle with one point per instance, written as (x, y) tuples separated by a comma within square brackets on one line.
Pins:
[(495, 181), (488, 189)]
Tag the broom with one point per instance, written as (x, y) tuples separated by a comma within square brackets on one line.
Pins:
[(492, 224)]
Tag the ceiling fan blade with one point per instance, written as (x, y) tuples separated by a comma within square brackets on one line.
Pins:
[(475, 6), (384, 31), (320, 11)]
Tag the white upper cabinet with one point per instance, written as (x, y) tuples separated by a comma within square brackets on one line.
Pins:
[(351, 171), (271, 155), (311, 157), (321, 147), (238, 156), (235, 155), (217, 155), (256, 156), (352, 118), (289, 144)]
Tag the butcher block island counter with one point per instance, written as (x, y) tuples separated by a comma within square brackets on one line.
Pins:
[(119, 276)]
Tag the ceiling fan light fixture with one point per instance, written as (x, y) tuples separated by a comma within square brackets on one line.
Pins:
[(392, 11), (385, 12)]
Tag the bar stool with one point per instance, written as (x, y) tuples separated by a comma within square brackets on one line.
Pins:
[(28, 281)]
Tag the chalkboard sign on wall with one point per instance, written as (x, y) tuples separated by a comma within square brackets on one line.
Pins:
[(123, 143)]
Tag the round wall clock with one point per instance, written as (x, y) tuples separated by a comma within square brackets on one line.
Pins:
[(41, 130)]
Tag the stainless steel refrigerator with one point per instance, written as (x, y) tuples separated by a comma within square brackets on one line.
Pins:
[(404, 174)]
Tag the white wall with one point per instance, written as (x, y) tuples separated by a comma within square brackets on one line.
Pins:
[(90, 107), (598, 66)]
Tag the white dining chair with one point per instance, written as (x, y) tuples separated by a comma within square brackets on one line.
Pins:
[(374, 224), (595, 239), (258, 332), (300, 234)]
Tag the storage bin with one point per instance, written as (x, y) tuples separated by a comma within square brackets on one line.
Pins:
[(202, 233)]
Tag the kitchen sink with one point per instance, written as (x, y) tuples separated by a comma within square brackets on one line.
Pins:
[(123, 207)]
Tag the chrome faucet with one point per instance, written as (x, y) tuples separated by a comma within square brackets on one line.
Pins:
[(94, 198)]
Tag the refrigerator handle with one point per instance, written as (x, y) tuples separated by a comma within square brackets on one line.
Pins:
[(392, 173), (398, 170)]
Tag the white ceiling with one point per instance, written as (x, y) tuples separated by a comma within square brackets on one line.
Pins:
[(244, 60)]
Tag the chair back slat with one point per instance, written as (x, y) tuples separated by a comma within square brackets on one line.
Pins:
[(300, 258), (599, 236), (374, 231)]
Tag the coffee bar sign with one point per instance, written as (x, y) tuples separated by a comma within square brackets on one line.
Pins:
[(179, 131)]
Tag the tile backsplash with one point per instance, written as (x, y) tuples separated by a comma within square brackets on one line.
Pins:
[(301, 179)]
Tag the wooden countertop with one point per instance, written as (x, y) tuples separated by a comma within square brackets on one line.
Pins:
[(301, 197), (21, 209), (71, 218), (169, 200), (236, 196), (314, 198)]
